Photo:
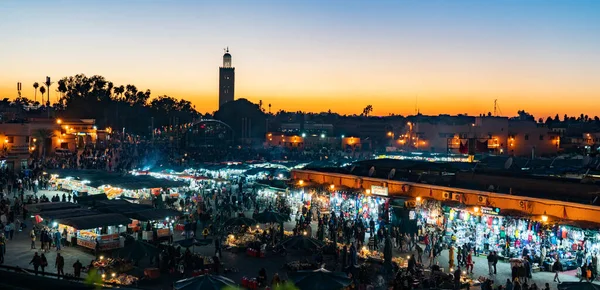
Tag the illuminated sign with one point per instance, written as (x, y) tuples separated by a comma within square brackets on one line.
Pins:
[(490, 210), (379, 190)]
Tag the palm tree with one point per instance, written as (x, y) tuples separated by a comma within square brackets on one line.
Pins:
[(35, 87), (43, 135), (42, 91)]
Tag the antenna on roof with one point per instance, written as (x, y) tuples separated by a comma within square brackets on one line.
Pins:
[(496, 108)]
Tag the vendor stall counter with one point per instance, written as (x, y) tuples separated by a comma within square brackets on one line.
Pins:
[(88, 240)]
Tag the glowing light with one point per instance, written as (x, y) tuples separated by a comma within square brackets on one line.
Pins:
[(58, 121), (368, 191), (304, 233), (103, 276), (476, 209), (418, 198), (544, 217), (101, 257), (301, 182), (113, 275), (322, 135), (332, 187)]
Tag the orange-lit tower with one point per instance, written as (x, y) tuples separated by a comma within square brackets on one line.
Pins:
[(226, 80)]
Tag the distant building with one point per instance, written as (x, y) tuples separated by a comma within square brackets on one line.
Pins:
[(37, 137), (312, 142), (484, 134), (226, 80)]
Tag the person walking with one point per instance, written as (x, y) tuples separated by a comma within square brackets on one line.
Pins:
[(77, 269), (490, 260), (43, 263), (60, 265), (419, 253), (11, 231), (36, 261), (495, 261), (32, 237), (470, 262)]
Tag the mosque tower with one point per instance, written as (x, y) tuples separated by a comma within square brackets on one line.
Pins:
[(226, 80)]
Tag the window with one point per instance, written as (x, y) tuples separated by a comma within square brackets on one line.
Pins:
[(526, 137)]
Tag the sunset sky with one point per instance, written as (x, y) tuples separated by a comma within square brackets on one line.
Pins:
[(442, 56)]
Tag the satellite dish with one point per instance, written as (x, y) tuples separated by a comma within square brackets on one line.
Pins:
[(392, 173), (371, 171), (508, 163), (586, 160)]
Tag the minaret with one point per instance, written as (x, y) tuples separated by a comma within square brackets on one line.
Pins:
[(226, 80)]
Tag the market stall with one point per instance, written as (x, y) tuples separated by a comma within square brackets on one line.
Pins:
[(101, 229), (484, 229)]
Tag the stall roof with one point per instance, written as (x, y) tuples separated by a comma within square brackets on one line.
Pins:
[(91, 199), (153, 214), (95, 221), (135, 211), (68, 213), (98, 178), (51, 206)]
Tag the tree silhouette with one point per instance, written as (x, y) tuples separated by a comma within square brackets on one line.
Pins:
[(35, 89), (367, 110), (42, 91), (95, 97)]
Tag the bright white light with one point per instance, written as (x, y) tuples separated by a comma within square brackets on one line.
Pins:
[(54, 224)]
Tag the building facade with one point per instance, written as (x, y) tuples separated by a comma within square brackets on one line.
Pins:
[(226, 80), (484, 134), (312, 142), (44, 137)]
